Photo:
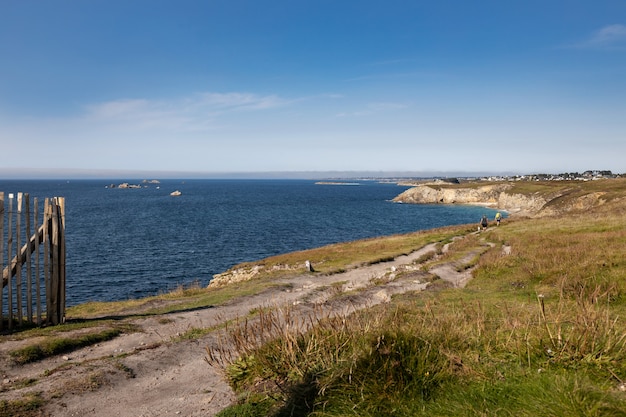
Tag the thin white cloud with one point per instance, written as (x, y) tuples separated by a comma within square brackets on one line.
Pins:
[(608, 37), (133, 111), (196, 112)]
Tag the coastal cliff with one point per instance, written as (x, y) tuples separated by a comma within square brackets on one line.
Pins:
[(502, 196), (495, 196)]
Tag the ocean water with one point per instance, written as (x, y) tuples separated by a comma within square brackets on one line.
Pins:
[(130, 243)]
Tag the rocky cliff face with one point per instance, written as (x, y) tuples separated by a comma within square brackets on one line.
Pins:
[(495, 196), (498, 196)]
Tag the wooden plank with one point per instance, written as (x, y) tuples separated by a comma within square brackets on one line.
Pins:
[(9, 249), (46, 256), (29, 269), (21, 259), (37, 262), (1, 257), (18, 266), (62, 256), (54, 283)]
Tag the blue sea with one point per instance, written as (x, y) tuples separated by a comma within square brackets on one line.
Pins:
[(131, 243)]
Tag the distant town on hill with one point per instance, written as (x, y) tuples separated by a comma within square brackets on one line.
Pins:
[(567, 176), (589, 175)]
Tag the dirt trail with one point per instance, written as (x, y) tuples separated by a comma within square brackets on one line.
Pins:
[(151, 373)]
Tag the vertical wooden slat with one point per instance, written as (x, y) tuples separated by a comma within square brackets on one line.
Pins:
[(29, 270), (46, 256), (37, 260), (62, 254), (54, 287), (18, 265), (1, 258), (9, 250)]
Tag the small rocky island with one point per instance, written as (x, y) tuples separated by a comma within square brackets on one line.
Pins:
[(124, 185), (129, 185)]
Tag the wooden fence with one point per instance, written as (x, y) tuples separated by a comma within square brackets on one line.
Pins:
[(33, 269)]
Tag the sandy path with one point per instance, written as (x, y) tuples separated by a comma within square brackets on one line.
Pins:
[(149, 373)]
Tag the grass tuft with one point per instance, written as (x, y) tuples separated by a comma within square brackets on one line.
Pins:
[(28, 406), (59, 345)]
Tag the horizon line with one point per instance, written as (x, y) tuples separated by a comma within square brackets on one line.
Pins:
[(125, 174), (59, 174)]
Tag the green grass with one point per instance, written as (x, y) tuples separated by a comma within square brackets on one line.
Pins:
[(25, 407), (547, 393), (538, 332), (181, 299), (453, 355), (58, 345)]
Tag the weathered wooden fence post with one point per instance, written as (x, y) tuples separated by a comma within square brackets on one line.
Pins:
[(1, 258), (29, 270), (9, 249), (18, 266), (47, 215), (60, 202), (40, 237), (56, 307)]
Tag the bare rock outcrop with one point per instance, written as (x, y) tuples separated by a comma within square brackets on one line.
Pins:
[(248, 272), (495, 196), (234, 276)]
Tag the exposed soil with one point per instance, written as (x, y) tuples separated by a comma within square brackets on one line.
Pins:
[(154, 373)]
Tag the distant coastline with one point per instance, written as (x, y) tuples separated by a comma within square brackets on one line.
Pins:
[(336, 183)]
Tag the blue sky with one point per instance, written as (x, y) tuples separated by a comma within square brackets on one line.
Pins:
[(248, 86)]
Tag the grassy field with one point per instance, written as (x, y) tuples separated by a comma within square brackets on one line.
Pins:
[(537, 332)]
